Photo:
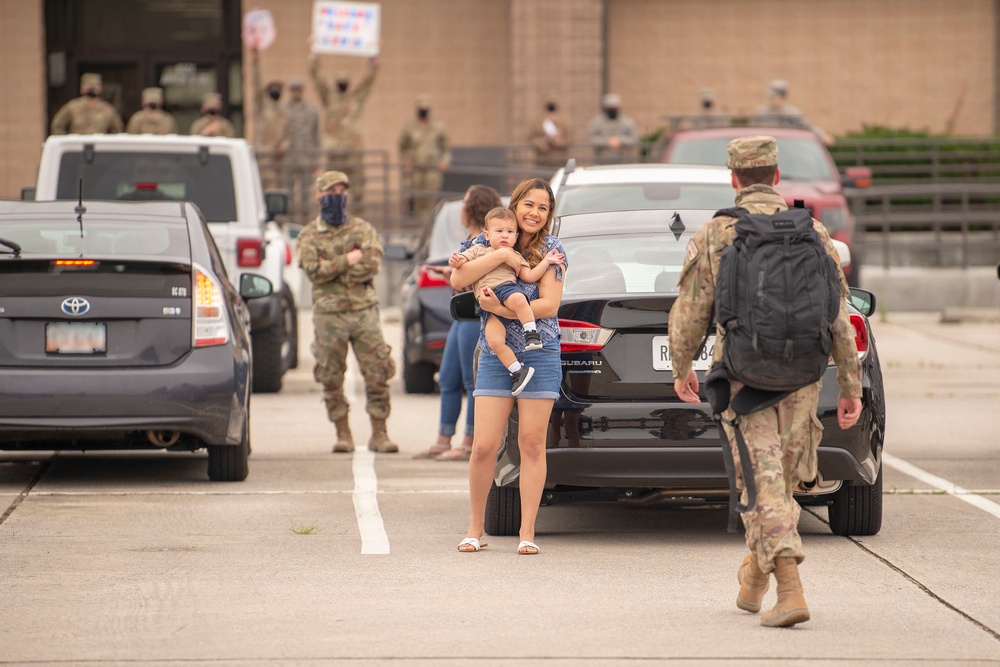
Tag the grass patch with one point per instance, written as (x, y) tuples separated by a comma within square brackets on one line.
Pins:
[(305, 530)]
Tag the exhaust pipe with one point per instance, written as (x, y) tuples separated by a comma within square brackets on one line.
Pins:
[(163, 438)]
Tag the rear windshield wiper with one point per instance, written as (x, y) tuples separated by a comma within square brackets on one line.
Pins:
[(15, 249)]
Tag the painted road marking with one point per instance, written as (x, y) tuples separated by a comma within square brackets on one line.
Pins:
[(373, 536), (941, 484)]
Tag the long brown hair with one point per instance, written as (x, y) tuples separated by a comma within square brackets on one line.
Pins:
[(533, 249), (479, 199)]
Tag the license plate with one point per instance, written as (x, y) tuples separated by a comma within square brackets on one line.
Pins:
[(76, 338), (661, 354)]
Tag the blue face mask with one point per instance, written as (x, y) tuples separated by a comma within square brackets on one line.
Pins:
[(333, 209)]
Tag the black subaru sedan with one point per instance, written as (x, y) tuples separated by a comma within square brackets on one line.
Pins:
[(618, 430), (119, 329)]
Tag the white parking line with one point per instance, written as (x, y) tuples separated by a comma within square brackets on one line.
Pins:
[(373, 536), (941, 484)]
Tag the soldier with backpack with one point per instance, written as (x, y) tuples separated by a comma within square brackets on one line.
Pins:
[(770, 279)]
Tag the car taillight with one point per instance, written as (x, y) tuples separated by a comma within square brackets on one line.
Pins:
[(431, 278), (860, 334), (210, 325), (249, 252), (288, 255), (576, 336)]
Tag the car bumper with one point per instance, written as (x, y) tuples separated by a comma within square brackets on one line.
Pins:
[(203, 396)]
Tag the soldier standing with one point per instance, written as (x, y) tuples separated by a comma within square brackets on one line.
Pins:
[(783, 437), (270, 126), (87, 114), (708, 114), (212, 123), (779, 112), (424, 151), (551, 134), (613, 136), (152, 119), (303, 150), (343, 145), (341, 254)]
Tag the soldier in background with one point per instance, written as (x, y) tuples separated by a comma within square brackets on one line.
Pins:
[(341, 255), (152, 119), (212, 123), (87, 114), (551, 134), (270, 126), (783, 437), (425, 154), (778, 112), (343, 144), (708, 114), (302, 156), (612, 135)]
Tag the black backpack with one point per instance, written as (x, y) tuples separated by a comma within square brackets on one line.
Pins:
[(777, 296)]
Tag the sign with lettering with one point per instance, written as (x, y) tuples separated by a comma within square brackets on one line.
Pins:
[(346, 28)]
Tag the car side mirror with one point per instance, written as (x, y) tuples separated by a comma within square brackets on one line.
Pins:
[(464, 306), (28, 193), (276, 203), (857, 177), (253, 286), (844, 251), (863, 300)]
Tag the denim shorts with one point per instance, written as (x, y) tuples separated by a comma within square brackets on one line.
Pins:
[(504, 290), (492, 379)]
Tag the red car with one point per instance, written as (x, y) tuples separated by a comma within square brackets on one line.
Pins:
[(808, 173)]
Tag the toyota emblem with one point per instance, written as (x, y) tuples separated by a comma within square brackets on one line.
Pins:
[(75, 305)]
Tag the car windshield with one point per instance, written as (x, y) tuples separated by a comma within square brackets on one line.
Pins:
[(642, 196), (798, 159), (624, 264), (100, 238), (207, 181)]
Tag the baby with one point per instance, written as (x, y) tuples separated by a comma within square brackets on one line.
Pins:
[(501, 232)]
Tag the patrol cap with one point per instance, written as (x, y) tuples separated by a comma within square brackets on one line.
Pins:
[(152, 95), (90, 80), (296, 83), (341, 77), (611, 100), (779, 87), (707, 95), (423, 101), (212, 101), (330, 178), (550, 98), (749, 152)]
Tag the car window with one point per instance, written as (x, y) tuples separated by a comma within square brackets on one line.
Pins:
[(102, 238), (448, 232), (640, 263), (643, 196), (108, 175), (799, 159)]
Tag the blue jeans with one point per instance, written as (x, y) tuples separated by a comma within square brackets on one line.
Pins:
[(456, 373)]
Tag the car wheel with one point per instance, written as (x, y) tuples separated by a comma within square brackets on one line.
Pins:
[(418, 378), (227, 463), (289, 315), (503, 510), (856, 509), (267, 345)]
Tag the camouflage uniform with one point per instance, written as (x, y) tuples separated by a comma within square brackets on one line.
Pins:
[(270, 128), (548, 154), (343, 144), (424, 150), (211, 125), (783, 438), (779, 113), (602, 128), (87, 115), (152, 120), (303, 151), (345, 311)]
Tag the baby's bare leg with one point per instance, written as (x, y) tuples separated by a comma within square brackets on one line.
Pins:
[(496, 336), (519, 304)]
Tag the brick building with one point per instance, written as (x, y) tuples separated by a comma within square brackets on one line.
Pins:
[(921, 64)]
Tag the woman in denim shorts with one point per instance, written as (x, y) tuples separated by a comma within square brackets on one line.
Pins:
[(532, 202)]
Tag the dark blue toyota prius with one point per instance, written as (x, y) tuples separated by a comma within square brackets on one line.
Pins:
[(119, 329)]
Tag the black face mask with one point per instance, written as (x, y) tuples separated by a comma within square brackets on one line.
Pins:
[(423, 113), (611, 113), (551, 106), (342, 86), (212, 112), (91, 93), (707, 104), (152, 106), (333, 209), (274, 95)]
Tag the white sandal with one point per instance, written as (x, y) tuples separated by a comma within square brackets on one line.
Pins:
[(528, 545), (473, 542)]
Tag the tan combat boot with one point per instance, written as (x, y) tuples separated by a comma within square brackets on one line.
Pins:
[(345, 442), (753, 584), (380, 441), (791, 607)]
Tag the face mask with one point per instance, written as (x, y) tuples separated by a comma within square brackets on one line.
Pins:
[(333, 209), (707, 104), (550, 106), (342, 87), (275, 95), (611, 113), (423, 113), (212, 112), (91, 93), (153, 106)]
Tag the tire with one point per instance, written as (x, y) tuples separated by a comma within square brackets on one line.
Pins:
[(227, 463), (290, 317), (503, 510), (267, 366), (418, 378), (856, 509)]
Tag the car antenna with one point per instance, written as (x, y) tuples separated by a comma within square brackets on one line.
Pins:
[(80, 208), (677, 226)]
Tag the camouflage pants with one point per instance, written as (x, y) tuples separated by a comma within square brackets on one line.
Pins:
[(300, 175), (362, 330), (425, 184), (782, 440), (272, 172)]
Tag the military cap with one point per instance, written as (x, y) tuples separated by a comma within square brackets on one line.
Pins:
[(90, 80), (779, 87), (152, 96), (296, 83), (707, 95), (212, 101), (611, 100), (424, 101), (341, 77), (550, 98), (330, 178), (749, 152)]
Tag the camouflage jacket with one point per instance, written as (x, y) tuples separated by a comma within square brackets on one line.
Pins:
[(322, 251), (303, 129), (425, 143), (87, 116), (270, 123), (342, 117), (213, 126), (151, 121), (693, 310)]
